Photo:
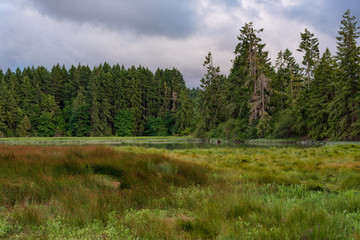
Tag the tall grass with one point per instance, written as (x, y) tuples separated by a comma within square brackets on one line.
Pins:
[(97, 192)]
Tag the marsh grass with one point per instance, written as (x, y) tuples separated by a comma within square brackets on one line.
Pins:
[(98, 192)]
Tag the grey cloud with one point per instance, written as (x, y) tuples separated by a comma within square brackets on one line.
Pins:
[(156, 17), (326, 17), (323, 15)]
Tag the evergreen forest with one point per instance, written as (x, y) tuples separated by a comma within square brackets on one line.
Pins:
[(318, 98)]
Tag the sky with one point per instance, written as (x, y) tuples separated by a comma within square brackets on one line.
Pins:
[(158, 33)]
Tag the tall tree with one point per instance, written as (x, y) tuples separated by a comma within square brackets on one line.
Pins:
[(250, 77), (3, 127), (135, 102), (211, 98), (309, 46), (185, 114), (286, 84), (345, 112), (80, 117), (321, 93)]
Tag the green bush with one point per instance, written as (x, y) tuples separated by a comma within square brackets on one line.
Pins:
[(123, 123), (284, 125), (155, 127)]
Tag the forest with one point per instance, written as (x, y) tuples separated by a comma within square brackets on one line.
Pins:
[(317, 99)]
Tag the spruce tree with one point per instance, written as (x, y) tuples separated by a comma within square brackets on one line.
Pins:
[(345, 109), (211, 108), (250, 79), (80, 117), (185, 114), (321, 93), (309, 46)]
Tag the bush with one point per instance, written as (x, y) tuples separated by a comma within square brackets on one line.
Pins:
[(284, 125), (232, 129), (155, 127), (123, 123)]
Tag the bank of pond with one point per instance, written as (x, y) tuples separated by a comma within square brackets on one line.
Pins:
[(172, 143)]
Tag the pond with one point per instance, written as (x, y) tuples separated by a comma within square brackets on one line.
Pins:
[(170, 143)]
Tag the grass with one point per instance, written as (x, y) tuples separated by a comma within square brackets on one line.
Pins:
[(99, 192)]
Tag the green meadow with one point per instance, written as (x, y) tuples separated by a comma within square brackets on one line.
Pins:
[(125, 192)]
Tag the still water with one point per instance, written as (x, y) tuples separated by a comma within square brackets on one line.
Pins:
[(171, 143), (207, 144)]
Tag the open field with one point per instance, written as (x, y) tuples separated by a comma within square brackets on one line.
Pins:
[(100, 192)]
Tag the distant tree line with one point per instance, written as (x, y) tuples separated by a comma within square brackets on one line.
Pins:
[(103, 101), (318, 100)]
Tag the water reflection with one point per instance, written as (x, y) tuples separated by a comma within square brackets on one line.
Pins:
[(208, 144), (169, 143)]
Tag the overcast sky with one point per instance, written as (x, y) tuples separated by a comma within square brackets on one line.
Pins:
[(157, 33)]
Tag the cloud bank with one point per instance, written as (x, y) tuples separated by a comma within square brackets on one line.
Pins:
[(158, 33)]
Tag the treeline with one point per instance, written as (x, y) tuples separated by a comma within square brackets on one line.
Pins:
[(103, 101), (319, 100)]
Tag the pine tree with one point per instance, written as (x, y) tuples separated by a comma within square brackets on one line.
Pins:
[(58, 77), (11, 105), (321, 93), (135, 102), (80, 117), (124, 123), (101, 119), (309, 45), (49, 123), (250, 79), (287, 84), (185, 114), (345, 109), (24, 127), (211, 109), (3, 127)]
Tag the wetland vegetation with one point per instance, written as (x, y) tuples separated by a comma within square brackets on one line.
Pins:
[(125, 192)]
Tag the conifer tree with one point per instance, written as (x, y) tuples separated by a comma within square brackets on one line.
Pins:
[(80, 118), (211, 109), (135, 102), (309, 46), (11, 105), (185, 114), (49, 124), (321, 93), (250, 79), (3, 127), (23, 128), (345, 109)]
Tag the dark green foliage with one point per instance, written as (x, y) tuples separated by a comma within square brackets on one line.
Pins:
[(185, 114), (82, 102), (155, 127), (344, 110), (309, 45), (124, 123), (284, 122), (322, 91), (79, 125), (319, 101), (212, 110), (23, 127)]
